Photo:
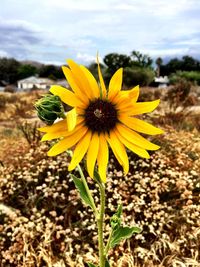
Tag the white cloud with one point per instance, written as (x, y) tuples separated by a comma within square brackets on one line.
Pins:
[(81, 5), (167, 52), (88, 58), (15, 23), (159, 8), (4, 53), (80, 28)]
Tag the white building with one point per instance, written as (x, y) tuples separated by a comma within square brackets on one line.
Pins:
[(35, 83), (162, 82)]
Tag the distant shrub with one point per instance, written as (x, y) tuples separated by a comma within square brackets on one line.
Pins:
[(138, 76), (30, 132), (178, 94), (192, 76), (2, 101), (150, 94), (9, 89)]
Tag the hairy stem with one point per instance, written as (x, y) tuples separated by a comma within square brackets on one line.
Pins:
[(100, 222), (108, 243)]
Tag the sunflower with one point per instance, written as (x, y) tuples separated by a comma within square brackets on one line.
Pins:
[(100, 119)]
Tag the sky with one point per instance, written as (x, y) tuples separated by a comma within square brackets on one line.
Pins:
[(51, 31)]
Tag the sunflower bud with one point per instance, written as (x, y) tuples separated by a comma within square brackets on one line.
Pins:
[(115, 220), (49, 108)]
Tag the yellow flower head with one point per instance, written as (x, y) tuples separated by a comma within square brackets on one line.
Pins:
[(100, 119)]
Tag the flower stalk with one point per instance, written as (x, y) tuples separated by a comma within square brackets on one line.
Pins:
[(99, 215), (100, 225), (107, 247)]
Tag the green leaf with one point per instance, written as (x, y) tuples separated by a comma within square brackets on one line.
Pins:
[(92, 265), (107, 264), (81, 188), (115, 220), (122, 233), (119, 210), (97, 176)]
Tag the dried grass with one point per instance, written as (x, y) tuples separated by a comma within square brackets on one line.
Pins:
[(43, 222)]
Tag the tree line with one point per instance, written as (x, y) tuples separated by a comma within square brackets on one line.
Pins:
[(138, 68), (12, 70)]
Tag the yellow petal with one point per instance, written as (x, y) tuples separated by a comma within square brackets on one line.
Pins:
[(102, 84), (80, 78), (141, 107), (135, 138), (66, 96), (71, 119), (66, 143), (92, 81), (61, 133), (80, 150), (58, 126), (72, 82), (92, 154), (139, 125), (130, 95), (102, 157), (137, 150), (80, 111), (124, 105), (118, 150), (115, 84), (133, 94)]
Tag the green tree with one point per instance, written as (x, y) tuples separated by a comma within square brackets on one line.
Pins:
[(26, 70), (115, 61), (189, 63), (9, 69), (47, 70), (171, 67), (141, 60)]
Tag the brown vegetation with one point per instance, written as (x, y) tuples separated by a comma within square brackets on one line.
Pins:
[(43, 221)]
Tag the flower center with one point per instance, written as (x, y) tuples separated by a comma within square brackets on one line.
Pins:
[(101, 116)]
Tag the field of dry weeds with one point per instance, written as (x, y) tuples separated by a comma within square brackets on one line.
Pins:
[(43, 222)]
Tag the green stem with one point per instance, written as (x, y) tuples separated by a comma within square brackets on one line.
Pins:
[(88, 190), (99, 215), (100, 222), (108, 243), (86, 187)]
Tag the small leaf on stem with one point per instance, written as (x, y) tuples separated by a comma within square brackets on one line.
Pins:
[(122, 233), (107, 264), (91, 265), (97, 176), (81, 188), (115, 220)]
